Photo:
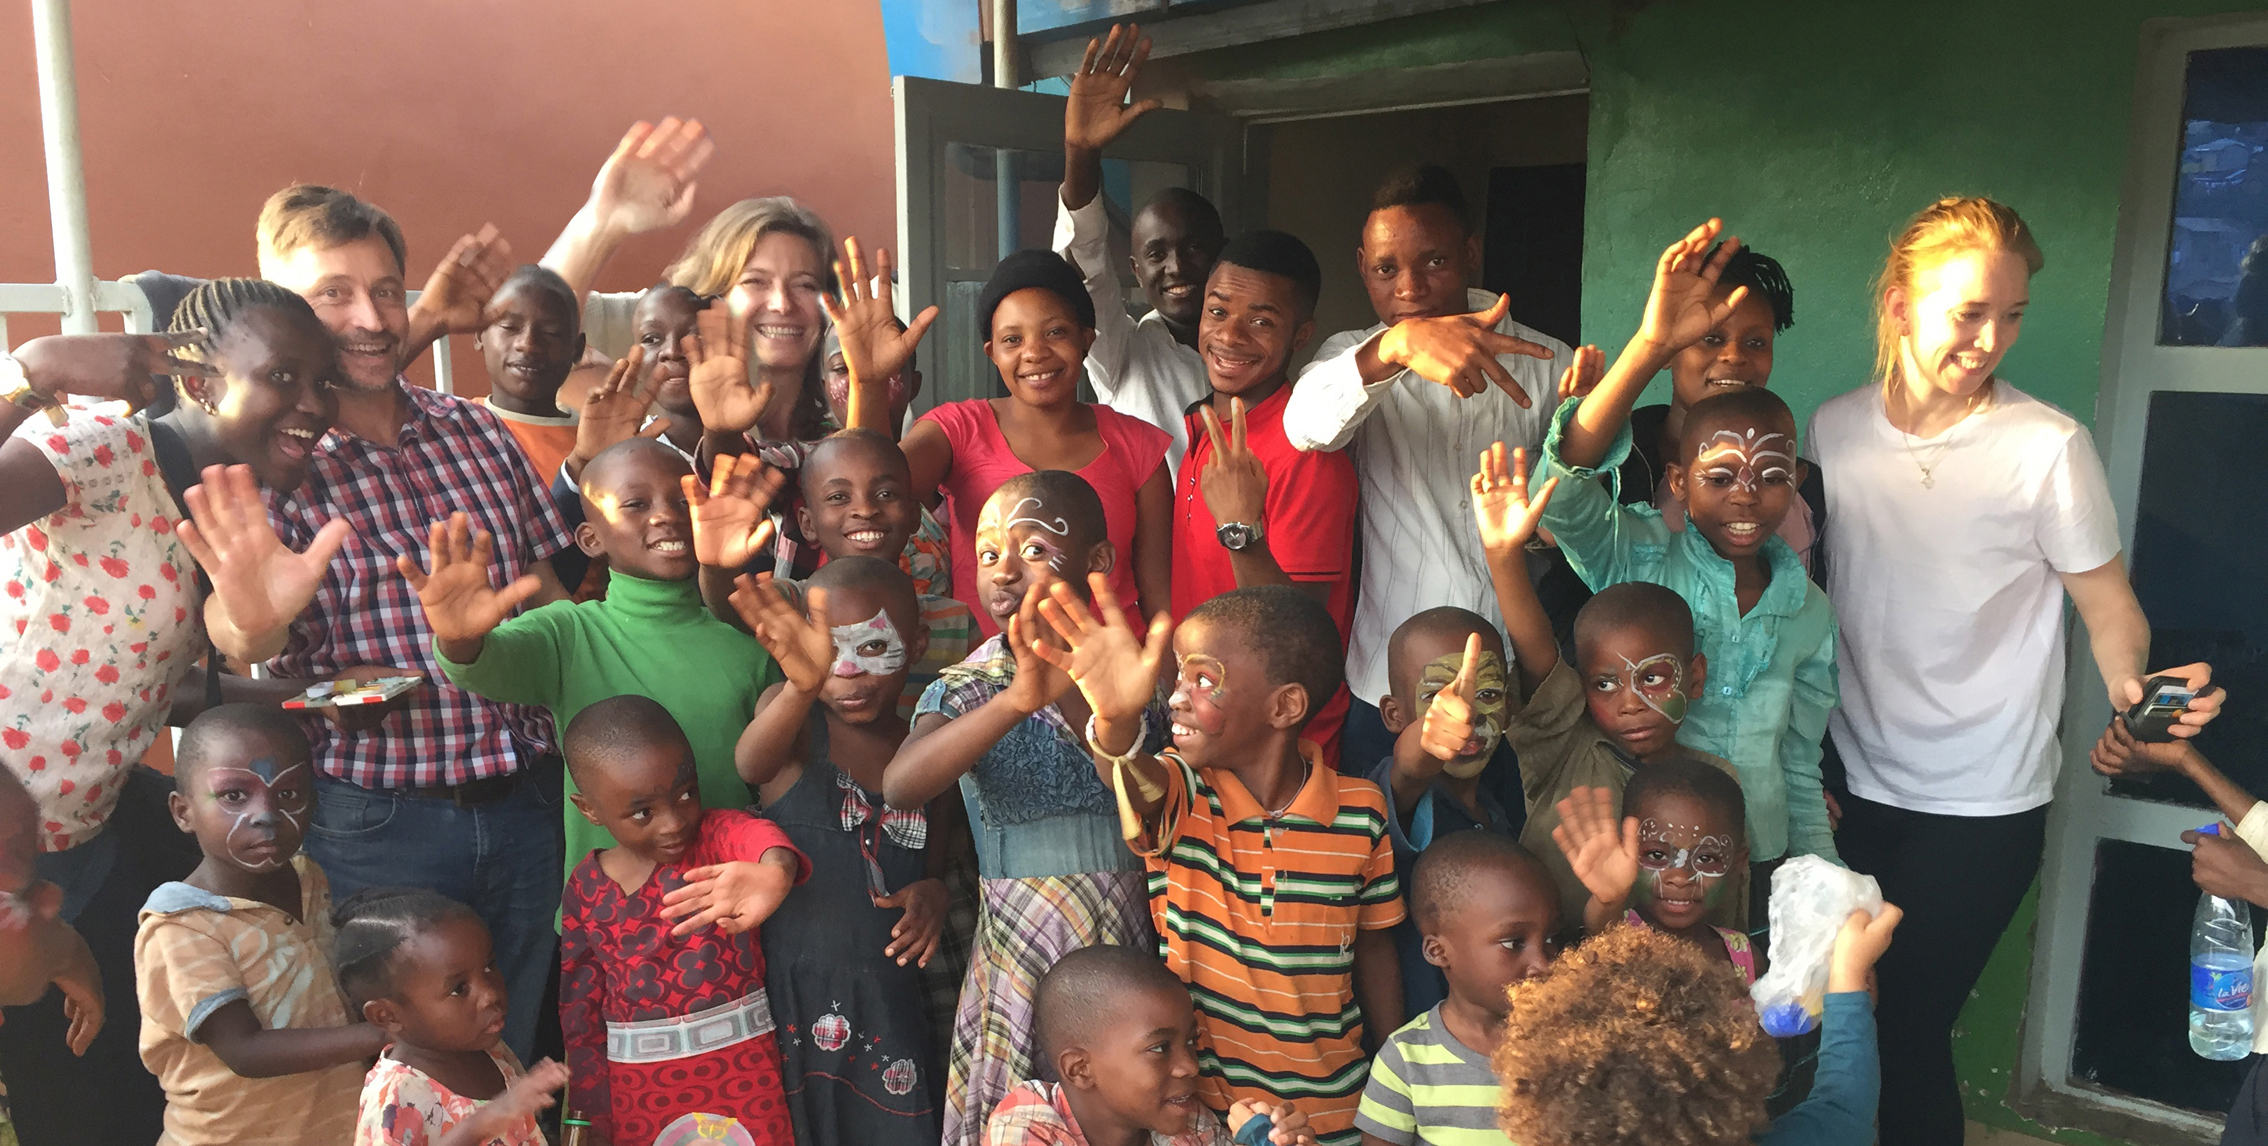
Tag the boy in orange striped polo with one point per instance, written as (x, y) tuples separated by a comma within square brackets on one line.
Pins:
[(1271, 877)]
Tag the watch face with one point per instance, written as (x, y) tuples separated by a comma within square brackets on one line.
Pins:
[(1235, 536)]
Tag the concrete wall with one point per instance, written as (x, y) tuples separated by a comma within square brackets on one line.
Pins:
[(447, 114)]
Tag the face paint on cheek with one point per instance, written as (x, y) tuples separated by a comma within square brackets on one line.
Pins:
[(1659, 681), (1057, 526), (1199, 689), (855, 647), (257, 823)]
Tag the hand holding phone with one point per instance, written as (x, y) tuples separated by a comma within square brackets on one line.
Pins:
[(2164, 699)]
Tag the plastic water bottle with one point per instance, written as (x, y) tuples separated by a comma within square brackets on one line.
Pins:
[(2220, 978)]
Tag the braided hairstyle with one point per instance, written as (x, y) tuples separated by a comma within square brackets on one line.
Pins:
[(1765, 278), (216, 306), (372, 925)]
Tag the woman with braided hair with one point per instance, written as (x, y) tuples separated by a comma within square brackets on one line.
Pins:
[(106, 613)]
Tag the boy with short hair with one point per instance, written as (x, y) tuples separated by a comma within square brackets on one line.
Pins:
[(1491, 919), (533, 339), (650, 635), (1270, 875)]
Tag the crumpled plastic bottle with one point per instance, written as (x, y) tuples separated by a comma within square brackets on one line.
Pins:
[(1811, 898)]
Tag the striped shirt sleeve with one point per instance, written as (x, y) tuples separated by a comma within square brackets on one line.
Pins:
[(1381, 896), (1387, 1110)]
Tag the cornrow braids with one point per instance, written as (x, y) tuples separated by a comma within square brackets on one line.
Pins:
[(216, 306), (370, 927), (1764, 277)]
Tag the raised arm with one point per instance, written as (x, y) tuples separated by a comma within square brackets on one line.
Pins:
[(1507, 515), (1116, 670), (942, 747), (646, 185), (874, 348), (773, 746), (1602, 848), (455, 298), (259, 585), (1094, 116), (460, 606), (102, 367)]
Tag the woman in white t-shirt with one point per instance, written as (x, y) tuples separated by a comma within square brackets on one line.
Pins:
[(1965, 510)]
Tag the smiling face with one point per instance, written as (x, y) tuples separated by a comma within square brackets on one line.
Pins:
[(636, 514), (857, 499), (1735, 355), (1252, 324), (1738, 480), (248, 804), (1636, 691), (1503, 929), (1958, 318), (1038, 346), (532, 342), (1415, 262), (876, 644), (665, 318), (648, 798), (278, 394), (1222, 699), (778, 292), (356, 289), (1022, 541), (447, 994), (1173, 259), (1141, 1065), (1687, 853)]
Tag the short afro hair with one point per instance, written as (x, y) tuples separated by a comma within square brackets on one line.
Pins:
[(618, 727), (1198, 215), (216, 731), (1635, 1038), (1291, 632), (1442, 619), (1282, 254), (1686, 776), (544, 280), (1442, 874), (1750, 406), (1429, 185), (1067, 500), (872, 443), (860, 572), (1656, 609), (1076, 996)]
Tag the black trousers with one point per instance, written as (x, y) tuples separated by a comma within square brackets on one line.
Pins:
[(1959, 880)]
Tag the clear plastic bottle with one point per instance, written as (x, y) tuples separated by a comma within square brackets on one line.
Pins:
[(2221, 948)]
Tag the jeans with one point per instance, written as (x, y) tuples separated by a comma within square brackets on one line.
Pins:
[(502, 859)]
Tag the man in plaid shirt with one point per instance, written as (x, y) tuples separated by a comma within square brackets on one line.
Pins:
[(440, 789)]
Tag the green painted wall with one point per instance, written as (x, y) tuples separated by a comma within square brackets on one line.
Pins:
[(1814, 129)]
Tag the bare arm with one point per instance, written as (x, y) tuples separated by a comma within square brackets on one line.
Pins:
[(1378, 985), (929, 457), (1153, 543), (2116, 628), (1507, 515), (772, 747), (102, 367), (253, 1051), (646, 185), (940, 750), (1678, 313)]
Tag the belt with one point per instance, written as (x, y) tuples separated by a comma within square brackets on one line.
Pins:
[(710, 1029), (486, 790)]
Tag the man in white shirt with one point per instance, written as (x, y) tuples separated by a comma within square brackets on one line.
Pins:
[(1442, 376), (1148, 369)]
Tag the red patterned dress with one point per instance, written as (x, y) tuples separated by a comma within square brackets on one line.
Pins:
[(670, 1040)]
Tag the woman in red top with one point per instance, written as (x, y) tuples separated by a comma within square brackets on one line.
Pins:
[(1038, 322)]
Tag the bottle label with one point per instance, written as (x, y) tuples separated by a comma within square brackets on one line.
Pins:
[(2215, 989)]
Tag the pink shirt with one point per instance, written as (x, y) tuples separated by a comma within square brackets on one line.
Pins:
[(1132, 451)]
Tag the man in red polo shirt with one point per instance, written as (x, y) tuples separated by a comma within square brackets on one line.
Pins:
[(1252, 510)]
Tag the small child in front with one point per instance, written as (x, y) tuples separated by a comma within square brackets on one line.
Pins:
[(1491, 919), (1673, 856), (845, 952), (38, 949), (1271, 875), (532, 342), (242, 1021), (1120, 1032), (419, 966), (1595, 1049), (661, 979)]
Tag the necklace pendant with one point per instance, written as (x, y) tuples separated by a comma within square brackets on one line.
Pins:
[(1928, 481)]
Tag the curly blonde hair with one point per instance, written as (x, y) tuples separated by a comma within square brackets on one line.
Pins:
[(1635, 1038)]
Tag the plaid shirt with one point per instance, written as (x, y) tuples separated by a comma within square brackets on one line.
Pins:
[(452, 455)]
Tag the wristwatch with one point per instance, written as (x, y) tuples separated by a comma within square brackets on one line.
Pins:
[(1236, 536)]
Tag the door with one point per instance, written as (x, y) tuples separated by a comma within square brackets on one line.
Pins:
[(2180, 422), (978, 175)]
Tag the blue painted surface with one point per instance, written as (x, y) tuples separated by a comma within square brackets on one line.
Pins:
[(934, 39)]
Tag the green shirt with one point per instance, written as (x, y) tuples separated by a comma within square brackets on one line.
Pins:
[(649, 638), (1426, 1087)]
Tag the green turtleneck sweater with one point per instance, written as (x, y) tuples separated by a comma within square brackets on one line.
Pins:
[(650, 638)]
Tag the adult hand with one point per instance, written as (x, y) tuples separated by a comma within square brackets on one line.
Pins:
[(717, 352), (803, 647), (108, 367), (365, 717), (456, 296), (1040, 681), (1460, 351), (730, 518), (461, 607), (1679, 309), (735, 895), (2203, 708), (1600, 846), (614, 411), (875, 347), (1446, 733), (648, 183), (1583, 374), (1095, 114), (2227, 867), (1233, 481), (1502, 506), (2118, 753), (1115, 666), (914, 938), (259, 585)]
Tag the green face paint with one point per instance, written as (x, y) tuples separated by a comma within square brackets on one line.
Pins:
[(1490, 702), (1659, 681)]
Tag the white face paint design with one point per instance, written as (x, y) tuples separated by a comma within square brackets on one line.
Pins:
[(1057, 526), (1747, 460), (870, 647), (1706, 858), (1659, 681), (256, 821)]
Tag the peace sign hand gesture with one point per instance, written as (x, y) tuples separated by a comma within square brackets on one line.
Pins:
[(1678, 310), (1115, 667), (1096, 112), (647, 184), (1233, 481), (1460, 351), (730, 520), (1505, 511), (875, 347), (1447, 731), (717, 352), (1601, 846), (802, 646)]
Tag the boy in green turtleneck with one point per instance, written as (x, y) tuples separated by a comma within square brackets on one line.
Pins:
[(650, 636)]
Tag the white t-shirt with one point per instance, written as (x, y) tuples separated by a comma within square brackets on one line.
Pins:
[(1952, 646)]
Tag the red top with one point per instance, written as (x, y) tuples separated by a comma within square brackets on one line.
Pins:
[(1132, 451), (1309, 525)]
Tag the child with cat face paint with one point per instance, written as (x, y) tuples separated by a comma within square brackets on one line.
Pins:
[(1674, 855), (242, 1019)]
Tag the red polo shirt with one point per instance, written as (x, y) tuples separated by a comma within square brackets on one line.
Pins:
[(1309, 523)]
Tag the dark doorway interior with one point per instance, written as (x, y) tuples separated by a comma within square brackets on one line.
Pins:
[(1534, 245)]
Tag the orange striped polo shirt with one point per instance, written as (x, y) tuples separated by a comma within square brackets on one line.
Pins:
[(1258, 915)]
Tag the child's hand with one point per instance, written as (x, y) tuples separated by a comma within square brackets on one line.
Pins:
[(735, 895), (1097, 113), (80, 980), (647, 184), (456, 297), (461, 607), (1861, 942), (914, 938), (1039, 682), (259, 584), (531, 1092), (1502, 505), (1233, 481), (1678, 311), (2118, 753), (1583, 374), (731, 524), (1460, 351), (1288, 1127), (1447, 731), (1600, 846), (874, 349), (614, 411), (718, 354), (802, 647), (1115, 669)]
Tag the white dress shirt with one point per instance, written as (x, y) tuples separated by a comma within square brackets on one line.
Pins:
[(1416, 448), (1137, 368)]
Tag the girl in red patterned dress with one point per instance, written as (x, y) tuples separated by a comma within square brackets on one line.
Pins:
[(669, 1031)]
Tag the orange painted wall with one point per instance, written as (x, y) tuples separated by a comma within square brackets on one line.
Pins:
[(448, 113)]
